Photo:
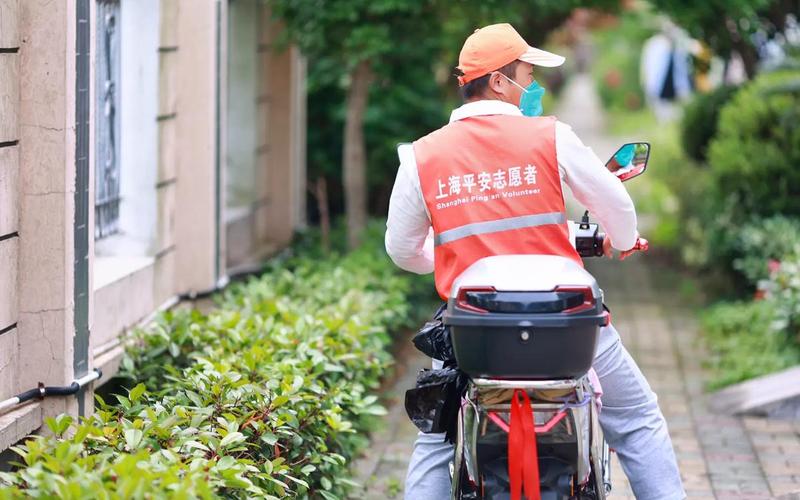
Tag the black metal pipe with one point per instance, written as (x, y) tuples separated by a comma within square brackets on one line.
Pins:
[(43, 391), (67, 390)]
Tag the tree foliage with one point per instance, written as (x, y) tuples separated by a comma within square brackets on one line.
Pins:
[(356, 40), (727, 25), (755, 153), (411, 47)]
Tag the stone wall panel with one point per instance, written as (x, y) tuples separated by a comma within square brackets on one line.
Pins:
[(166, 217), (9, 250), (47, 264), (43, 69), (167, 88), (9, 16), (164, 278), (124, 302), (169, 23), (9, 189), (40, 149), (167, 150), (9, 95), (9, 383)]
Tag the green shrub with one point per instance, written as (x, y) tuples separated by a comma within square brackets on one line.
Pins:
[(785, 293), (755, 155), (670, 197), (616, 63), (699, 122), (744, 342), (749, 339), (762, 240), (267, 396)]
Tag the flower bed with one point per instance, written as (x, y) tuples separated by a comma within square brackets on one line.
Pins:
[(267, 396), (749, 339)]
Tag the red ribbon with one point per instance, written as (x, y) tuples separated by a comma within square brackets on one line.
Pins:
[(523, 457)]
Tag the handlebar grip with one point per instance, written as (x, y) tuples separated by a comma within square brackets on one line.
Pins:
[(599, 240), (642, 245)]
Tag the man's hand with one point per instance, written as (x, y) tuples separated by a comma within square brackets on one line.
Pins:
[(642, 245), (608, 250)]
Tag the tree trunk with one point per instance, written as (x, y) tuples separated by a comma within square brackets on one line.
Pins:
[(354, 162), (321, 194), (749, 57), (740, 44)]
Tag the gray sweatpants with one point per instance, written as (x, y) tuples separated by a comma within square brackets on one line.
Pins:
[(632, 423)]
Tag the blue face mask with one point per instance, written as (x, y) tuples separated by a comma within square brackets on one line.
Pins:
[(531, 101), (625, 155)]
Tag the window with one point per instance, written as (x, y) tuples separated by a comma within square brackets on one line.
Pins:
[(107, 121)]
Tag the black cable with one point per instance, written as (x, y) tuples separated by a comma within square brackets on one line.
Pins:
[(43, 391)]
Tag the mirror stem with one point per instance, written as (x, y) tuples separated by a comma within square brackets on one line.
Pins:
[(585, 220)]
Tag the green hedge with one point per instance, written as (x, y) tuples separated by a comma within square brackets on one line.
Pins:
[(755, 155), (748, 339), (615, 66), (699, 122), (743, 342), (763, 240), (267, 396)]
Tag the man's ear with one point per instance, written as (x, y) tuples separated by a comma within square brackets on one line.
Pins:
[(495, 83)]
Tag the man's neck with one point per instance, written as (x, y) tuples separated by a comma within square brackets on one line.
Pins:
[(487, 97)]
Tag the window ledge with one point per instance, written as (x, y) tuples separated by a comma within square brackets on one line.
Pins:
[(108, 270), (19, 423), (237, 213)]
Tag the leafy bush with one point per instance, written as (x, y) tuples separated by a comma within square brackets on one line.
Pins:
[(745, 342), (699, 123), (755, 154), (764, 240), (266, 396), (670, 198), (616, 65), (785, 293), (752, 339)]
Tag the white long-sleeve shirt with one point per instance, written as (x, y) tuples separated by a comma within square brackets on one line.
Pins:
[(409, 240)]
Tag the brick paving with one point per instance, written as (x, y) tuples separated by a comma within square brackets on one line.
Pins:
[(720, 457)]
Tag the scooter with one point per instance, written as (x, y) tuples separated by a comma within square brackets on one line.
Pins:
[(524, 328)]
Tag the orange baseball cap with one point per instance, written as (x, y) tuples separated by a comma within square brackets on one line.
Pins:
[(492, 47)]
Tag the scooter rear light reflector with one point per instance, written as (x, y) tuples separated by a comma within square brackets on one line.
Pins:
[(540, 429), (589, 301), (463, 303)]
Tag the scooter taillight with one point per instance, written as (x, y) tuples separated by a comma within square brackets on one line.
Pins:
[(463, 303), (589, 301)]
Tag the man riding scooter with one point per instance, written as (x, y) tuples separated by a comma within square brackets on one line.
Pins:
[(491, 183)]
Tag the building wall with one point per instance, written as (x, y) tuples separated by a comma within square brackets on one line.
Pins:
[(176, 235), (39, 120), (9, 195), (266, 131)]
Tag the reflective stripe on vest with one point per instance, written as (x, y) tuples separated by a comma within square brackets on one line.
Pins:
[(494, 226)]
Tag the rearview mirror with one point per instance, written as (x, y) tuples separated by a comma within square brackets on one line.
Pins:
[(629, 161)]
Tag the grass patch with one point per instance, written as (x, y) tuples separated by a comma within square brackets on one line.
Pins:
[(745, 342)]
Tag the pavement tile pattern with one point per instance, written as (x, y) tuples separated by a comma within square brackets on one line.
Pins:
[(720, 457)]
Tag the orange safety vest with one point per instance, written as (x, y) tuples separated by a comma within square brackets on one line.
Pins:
[(492, 187)]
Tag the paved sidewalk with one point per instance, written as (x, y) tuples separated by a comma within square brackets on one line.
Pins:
[(720, 457)]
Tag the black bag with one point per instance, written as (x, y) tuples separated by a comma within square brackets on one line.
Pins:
[(433, 339), (434, 403)]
